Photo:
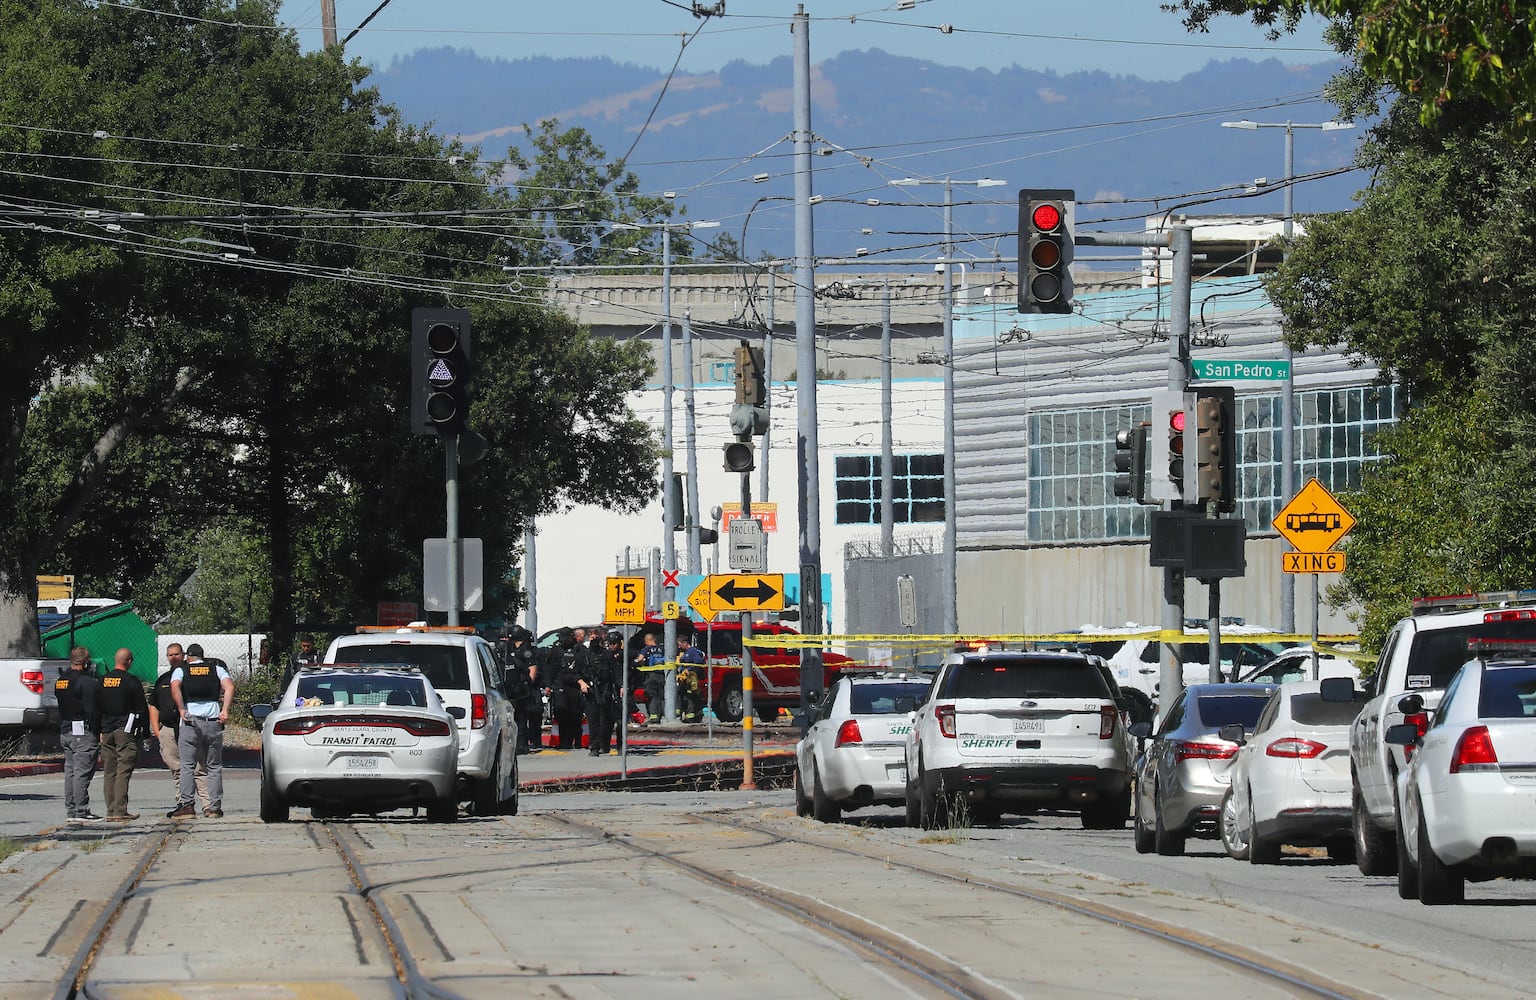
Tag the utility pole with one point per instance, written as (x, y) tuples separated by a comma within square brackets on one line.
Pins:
[(531, 578), (762, 465), (807, 451), (669, 488), (887, 447), (328, 22), (691, 514)]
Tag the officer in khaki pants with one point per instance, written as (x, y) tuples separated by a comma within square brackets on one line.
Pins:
[(164, 724), (124, 719)]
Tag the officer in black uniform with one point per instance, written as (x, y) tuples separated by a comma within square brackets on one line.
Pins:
[(565, 689), (600, 688), (522, 664), (76, 691)]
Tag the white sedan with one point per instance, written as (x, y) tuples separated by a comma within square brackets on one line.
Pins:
[(853, 753), (347, 740), (1468, 796), (1290, 781)]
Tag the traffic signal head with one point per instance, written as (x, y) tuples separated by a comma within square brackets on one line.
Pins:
[(739, 456), (1165, 445), (1131, 463), (440, 353), (750, 388), (1045, 250), (1216, 447)]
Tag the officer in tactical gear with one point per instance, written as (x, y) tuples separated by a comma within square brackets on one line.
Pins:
[(565, 687), (522, 672), (76, 690), (600, 687)]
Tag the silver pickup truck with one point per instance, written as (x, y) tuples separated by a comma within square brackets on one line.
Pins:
[(1420, 656), (27, 704)]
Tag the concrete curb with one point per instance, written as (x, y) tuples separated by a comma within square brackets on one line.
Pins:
[(24, 770)]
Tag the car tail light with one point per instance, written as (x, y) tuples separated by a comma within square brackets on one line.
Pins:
[(479, 709), (1107, 715), (32, 680), (945, 716), (1420, 721), (1474, 752), (848, 732), (1294, 746), (1204, 751), (298, 727)]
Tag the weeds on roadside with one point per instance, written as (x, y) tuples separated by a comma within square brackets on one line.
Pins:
[(9, 846), (92, 846), (957, 813)]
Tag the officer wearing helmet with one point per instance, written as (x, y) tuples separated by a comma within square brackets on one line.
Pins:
[(527, 692)]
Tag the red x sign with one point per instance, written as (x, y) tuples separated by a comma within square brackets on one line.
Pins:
[(669, 577)]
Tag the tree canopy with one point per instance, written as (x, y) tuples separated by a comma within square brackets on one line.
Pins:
[(1438, 54), (210, 248)]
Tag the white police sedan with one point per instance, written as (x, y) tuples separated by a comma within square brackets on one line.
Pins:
[(853, 753), (346, 740), (1468, 795)]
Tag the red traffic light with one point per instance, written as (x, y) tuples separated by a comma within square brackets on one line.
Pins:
[(1046, 218), (1176, 420)]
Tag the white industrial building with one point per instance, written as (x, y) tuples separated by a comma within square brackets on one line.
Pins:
[(1043, 544)]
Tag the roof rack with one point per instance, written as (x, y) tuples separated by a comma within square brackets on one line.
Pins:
[(1468, 602)]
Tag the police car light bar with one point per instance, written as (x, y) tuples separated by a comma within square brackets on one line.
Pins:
[(1467, 602)]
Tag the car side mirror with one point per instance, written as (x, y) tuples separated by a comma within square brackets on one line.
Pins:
[(1410, 704), (456, 711), (1340, 690), (1141, 730), (1233, 732), (1404, 734), (260, 712)]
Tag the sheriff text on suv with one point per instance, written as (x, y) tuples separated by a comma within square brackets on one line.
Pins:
[(1012, 732)]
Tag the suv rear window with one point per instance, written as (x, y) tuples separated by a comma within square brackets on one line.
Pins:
[(350, 689), (445, 666), (882, 699), (1438, 654), (1034, 677), (1311, 710), (1508, 693)]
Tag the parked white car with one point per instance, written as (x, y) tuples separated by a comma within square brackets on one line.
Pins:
[(462, 669), (1290, 780), (358, 740), (852, 753), (1467, 793), (1295, 664)]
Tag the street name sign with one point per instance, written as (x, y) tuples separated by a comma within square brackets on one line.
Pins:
[(1313, 521), (624, 600), (1230, 370), (745, 591), (1312, 562)]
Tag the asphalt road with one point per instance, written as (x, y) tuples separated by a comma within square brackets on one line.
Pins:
[(549, 875)]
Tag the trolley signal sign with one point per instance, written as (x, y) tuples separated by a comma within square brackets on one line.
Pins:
[(1314, 521)]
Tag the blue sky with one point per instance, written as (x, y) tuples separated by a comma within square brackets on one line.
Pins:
[(1122, 36)]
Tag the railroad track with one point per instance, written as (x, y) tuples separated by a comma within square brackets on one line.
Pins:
[(342, 838), (951, 977)]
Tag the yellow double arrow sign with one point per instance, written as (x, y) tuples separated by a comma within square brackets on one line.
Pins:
[(737, 592)]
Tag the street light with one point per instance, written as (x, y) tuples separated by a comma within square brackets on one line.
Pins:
[(1288, 389), (951, 564)]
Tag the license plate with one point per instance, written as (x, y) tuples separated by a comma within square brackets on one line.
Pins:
[(362, 763), (896, 772), (1029, 725)]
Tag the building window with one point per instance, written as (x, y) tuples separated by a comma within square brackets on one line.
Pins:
[(1071, 461), (917, 489)]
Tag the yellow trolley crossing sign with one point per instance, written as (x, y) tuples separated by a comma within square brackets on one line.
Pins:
[(1313, 521)]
